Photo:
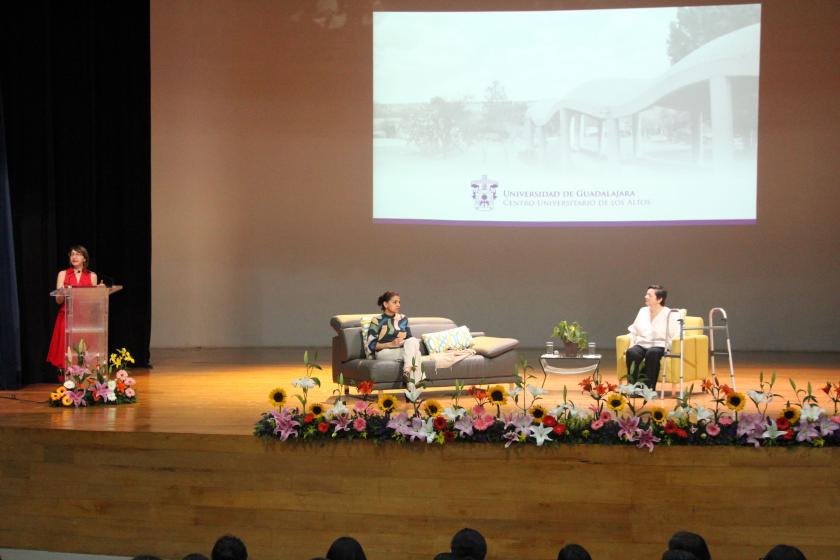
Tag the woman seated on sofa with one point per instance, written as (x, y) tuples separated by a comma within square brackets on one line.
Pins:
[(389, 337), (648, 337)]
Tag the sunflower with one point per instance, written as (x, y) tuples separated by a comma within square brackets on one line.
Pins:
[(277, 397), (736, 401), (66, 400), (538, 412), (791, 414), (658, 414), (432, 408), (387, 403), (317, 409), (616, 401), (497, 395)]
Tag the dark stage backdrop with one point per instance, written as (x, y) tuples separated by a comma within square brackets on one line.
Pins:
[(75, 85)]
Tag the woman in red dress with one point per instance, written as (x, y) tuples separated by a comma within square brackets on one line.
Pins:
[(77, 275)]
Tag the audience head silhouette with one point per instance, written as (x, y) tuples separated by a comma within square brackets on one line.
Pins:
[(784, 552), (573, 552), (229, 548), (690, 542), (678, 555), (346, 548), (467, 544)]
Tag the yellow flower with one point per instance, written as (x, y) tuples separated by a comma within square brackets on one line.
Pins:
[(126, 356), (658, 414), (317, 409), (791, 414), (432, 408), (538, 412), (616, 401), (55, 396), (735, 401), (497, 394), (61, 389), (277, 397), (387, 403), (66, 401)]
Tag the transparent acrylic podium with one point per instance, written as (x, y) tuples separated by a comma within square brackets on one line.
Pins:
[(86, 324)]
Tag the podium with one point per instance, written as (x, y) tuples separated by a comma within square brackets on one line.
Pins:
[(86, 324)]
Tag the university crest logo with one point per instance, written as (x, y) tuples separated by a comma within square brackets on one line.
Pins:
[(484, 192)]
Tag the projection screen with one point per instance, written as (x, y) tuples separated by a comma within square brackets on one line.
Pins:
[(557, 118)]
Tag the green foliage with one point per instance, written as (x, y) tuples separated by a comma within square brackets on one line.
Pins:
[(570, 332)]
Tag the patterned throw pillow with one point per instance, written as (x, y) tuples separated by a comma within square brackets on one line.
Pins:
[(453, 339), (365, 323)]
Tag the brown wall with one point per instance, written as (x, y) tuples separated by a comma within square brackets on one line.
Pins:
[(261, 193)]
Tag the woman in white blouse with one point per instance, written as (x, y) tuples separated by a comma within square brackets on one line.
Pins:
[(648, 337)]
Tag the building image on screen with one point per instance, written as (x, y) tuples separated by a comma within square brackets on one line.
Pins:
[(593, 117)]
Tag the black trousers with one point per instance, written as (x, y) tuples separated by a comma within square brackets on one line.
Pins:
[(652, 358)]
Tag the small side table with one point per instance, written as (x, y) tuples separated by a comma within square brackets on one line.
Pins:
[(570, 365)]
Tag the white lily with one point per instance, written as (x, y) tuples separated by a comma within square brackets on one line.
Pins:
[(428, 431), (646, 393), (812, 413), (772, 431), (679, 413), (581, 413), (304, 382), (541, 433), (453, 413), (757, 396), (515, 391), (703, 414), (626, 390), (337, 409), (560, 409), (412, 393), (537, 391)]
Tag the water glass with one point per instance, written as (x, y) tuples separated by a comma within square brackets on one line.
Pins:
[(591, 348)]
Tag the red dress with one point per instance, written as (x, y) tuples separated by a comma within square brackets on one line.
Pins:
[(58, 348)]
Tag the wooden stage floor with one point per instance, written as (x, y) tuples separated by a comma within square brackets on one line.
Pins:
[(224, 390), (171, 473)]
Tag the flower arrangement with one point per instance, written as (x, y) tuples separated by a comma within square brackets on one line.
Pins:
[(614, 414), (110, 384)]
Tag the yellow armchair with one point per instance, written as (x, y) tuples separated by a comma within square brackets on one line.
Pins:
[(696, 355)]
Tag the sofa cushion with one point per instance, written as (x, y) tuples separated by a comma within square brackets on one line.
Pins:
[(451, 339), (364, 322), (491, 346)]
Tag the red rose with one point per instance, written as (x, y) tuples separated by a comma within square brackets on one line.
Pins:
[(670, 427), (782, 423), (323, 427), (549, 421), (682, 433), (789, 434), (439, 422), (559, 429), (448, 435), (308, 418)]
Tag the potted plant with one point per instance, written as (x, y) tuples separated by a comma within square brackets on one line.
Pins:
[(574, 338)]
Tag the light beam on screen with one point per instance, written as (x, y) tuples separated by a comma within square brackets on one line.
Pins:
[(592, 117)]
